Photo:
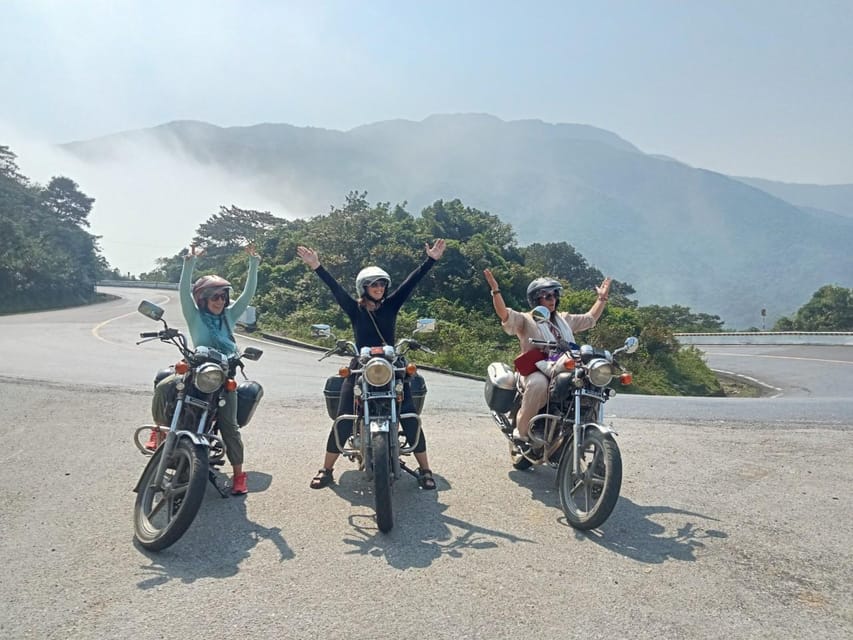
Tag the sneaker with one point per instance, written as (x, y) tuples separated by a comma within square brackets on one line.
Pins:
[(238, 484), (153, 440), (517, 436)]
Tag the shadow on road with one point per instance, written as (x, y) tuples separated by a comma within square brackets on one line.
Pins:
[(219, 539), (630, 530), (422, 532)]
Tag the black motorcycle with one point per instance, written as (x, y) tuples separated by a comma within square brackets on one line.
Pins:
[(377, 439), (172, 486), (569, 431)]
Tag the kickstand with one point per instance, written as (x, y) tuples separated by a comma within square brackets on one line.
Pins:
[(403, 466), (211, 475)]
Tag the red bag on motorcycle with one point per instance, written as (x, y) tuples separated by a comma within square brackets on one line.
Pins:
[(525, 364)]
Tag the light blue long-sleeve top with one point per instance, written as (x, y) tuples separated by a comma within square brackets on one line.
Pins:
[(211, 330)]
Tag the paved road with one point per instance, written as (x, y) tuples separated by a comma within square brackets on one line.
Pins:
[(734, 520)]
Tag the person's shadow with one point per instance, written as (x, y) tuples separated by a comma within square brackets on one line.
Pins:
[(421, 532), (218, 540), (630, 529)]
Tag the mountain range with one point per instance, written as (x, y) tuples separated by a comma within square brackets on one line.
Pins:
[(725, 245)]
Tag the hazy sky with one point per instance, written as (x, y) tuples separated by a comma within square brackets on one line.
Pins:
[(743, 87)]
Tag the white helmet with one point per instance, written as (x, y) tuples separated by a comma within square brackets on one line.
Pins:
[(369, 275)]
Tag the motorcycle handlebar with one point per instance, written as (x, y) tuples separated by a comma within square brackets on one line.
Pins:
[(149, 334)]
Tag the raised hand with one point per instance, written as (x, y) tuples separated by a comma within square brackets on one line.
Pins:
[(308, 256), (493, 284), (603, 290), (250, 249), (436, 250), (194, 252)]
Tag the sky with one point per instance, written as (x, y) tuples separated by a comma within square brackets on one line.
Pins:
[(748, 88)]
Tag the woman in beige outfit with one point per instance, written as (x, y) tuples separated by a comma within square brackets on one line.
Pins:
[(542, 292)]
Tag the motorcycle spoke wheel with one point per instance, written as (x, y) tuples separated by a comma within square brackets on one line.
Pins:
[(588, 497), (164, 510)]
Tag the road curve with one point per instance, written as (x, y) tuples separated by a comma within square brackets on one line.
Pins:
[(733, 519)]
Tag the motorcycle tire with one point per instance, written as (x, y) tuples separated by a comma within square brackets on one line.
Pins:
[(382, 481), (588, 499), (161, 517)]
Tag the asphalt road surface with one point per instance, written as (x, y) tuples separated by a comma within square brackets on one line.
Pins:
[(734, 519)]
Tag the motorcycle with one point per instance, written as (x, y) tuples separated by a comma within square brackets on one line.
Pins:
[(377, 441), (568, 433), (172, 485)]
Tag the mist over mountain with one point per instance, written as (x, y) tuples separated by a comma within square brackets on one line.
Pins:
[(678, 234)]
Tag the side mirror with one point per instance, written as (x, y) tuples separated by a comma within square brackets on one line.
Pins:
[(150, 310), (541, 314), (321, 330), (425, 325), (631, 344), (251, 353)]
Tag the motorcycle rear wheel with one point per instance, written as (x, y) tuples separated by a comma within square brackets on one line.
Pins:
[(588, 499), (382, 482), (162, 515)]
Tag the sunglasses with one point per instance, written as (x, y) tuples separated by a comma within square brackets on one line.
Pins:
[(377, 283), (549, 296), (218, 296)]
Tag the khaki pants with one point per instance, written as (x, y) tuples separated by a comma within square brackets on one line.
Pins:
[(226, 419)]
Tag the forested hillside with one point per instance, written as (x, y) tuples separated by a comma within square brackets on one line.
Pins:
[(290, 297), (47, 257)]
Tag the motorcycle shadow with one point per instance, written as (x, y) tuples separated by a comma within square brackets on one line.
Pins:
[(219, 539), (631, 529), (422, 532), (633, 532)]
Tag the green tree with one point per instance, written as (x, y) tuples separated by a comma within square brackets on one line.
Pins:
[(63, 197), (830, 309)]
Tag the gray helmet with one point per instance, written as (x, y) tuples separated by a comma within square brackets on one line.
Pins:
[(369, 275), (542, 285)]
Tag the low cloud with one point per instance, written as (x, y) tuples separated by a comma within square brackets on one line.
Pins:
[(149, 198)]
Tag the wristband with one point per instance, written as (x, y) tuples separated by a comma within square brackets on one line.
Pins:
[(495, 292)]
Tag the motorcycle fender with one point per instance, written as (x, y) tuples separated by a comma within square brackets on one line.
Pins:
[(603, 429), (196, 439), (152, 460), (380, 426)]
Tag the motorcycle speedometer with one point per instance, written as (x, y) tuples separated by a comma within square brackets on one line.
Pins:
[(600, 372), (208, 378), (378, 372)]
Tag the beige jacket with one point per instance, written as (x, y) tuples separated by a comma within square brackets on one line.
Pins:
[(525, 327)]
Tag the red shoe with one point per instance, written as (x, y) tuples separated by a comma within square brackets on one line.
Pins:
[(238, 484), (153, 440)]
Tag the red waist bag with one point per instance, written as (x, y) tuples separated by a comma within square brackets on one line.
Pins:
[(525, 364)]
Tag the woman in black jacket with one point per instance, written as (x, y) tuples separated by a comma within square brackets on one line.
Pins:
[(374, 322)]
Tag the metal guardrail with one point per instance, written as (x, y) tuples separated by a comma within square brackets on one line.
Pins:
[(141, 284), (828, 338)]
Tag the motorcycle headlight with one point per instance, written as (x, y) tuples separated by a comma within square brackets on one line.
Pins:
[(208, 378), (600, 372), (378, 372)]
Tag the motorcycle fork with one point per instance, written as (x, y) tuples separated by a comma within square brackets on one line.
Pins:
[(579, 431)]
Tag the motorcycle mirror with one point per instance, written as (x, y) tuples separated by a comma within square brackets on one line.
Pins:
[(251, 353), (150, 310), (425, 325), (541, 313), (321, 330), (631, 344)]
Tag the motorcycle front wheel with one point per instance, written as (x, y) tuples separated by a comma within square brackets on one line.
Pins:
[(588, 498), (382, 481), (165, 510)]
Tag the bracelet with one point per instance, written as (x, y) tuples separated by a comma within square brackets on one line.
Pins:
[(495, 292), (603, 298)]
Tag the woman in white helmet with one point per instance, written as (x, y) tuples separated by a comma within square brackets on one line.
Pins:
[(541, 292), (211, 316), (374, 322)]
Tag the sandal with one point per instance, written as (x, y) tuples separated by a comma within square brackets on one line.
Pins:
[(425, 479), (322, 479)]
